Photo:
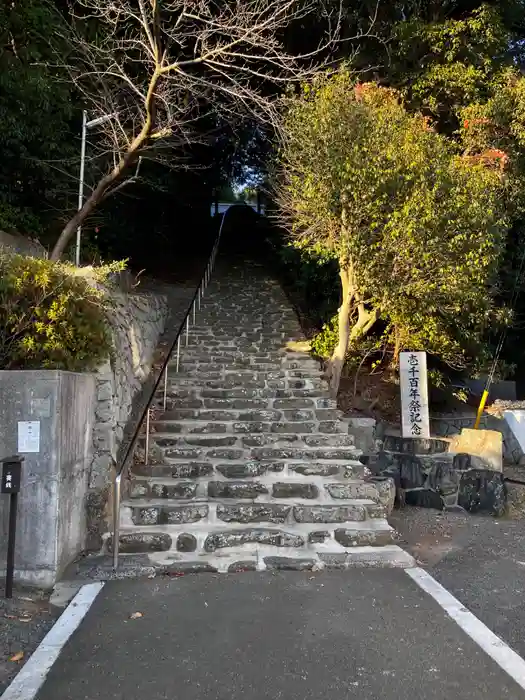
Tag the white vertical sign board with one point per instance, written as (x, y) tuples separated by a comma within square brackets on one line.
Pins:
[(414, 394), (29, 436)]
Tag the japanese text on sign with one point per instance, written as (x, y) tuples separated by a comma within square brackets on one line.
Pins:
[(29, 436), (414, 394)]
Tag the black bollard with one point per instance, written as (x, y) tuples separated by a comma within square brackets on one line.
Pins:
[(11, 482)]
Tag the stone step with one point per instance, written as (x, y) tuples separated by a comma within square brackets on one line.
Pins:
[(280, 404), (205, 541), (265, 454), (237, 469), (245, 427), (275, 347), (251, 415), (243, 374), (228, 355), (162, 441), (269, 544), (250, 489), (252, 359), (228, 318), (178, 563), (148, 513), (216, 348), (317, 487), (192, 392), (224, 319), (234, 382), (177, 453), (183, 381), (220, 366), (238, 332), (246, 361), (258, 343)]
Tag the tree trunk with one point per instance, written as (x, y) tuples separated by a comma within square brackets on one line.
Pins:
[(365, 321), (397, 350), (337, 360), (89, 205), (105, 183)]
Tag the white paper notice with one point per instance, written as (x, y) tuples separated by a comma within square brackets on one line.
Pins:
[(414, 394), (29, 436)]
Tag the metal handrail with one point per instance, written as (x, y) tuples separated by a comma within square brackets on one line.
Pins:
[(195, 302)]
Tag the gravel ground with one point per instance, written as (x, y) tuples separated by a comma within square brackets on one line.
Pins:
[(24, 622), (430, 535)]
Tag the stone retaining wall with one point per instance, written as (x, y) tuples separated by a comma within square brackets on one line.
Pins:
[(137, 321), (426, 474)]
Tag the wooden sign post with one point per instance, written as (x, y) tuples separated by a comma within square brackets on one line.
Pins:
[(414, 394)]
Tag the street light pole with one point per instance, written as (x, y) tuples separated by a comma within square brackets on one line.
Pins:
[(81, 182), (85, 126)]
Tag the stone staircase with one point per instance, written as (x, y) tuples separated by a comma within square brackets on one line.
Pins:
[(251, 465)]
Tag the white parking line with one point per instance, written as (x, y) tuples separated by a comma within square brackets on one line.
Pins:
[(33, 674), (495, 647)]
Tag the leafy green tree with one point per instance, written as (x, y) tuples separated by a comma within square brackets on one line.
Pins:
[(443, 65), (417, 229)]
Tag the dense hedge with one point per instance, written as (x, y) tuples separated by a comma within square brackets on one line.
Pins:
[(49, 318)]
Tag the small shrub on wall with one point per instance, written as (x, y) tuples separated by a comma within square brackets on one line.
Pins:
[(49, 318), (324, 342)]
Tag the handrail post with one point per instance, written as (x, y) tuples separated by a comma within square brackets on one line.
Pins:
[(116, 519), (165, 387), (146, 446), (178, 354), (187, 330), (194, 310)]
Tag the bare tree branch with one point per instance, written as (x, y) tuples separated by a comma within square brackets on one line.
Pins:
[(166, 69)]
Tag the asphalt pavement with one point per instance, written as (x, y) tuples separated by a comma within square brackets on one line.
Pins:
[(367, 634), (479, 559)]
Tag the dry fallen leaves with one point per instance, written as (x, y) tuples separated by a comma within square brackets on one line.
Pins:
[(135, 616), (17, 657)]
